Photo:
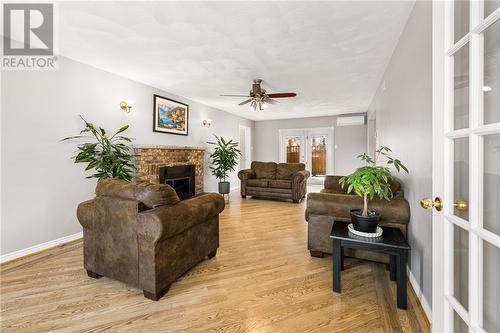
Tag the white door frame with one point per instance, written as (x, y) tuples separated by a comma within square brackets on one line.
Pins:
[(444, 304), (247, 149), (438, 300), (305, 134), (300, 132)]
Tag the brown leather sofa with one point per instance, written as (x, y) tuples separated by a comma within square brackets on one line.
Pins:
[(333, 203), (274, 180), (144, 236)]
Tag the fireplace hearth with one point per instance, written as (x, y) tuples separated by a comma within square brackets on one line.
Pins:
[(181, 178)]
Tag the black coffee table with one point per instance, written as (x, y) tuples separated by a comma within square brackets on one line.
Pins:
[(391, 242)]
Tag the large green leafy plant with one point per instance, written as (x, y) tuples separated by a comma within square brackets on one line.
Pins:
[(224, 157), (372, 180), (109, 156)]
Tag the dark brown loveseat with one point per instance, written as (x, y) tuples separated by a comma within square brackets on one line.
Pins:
[(274, 180), (144, 236), (333, 203)]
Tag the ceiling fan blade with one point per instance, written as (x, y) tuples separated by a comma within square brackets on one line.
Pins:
[(281, 95), (235, 95), (246, 102), (270, 100)]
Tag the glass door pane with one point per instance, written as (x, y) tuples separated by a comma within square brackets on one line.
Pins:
[(293, 149), (490, 6), (461, 265), (461, 177), (318, 155), (459, 326), (491, 290), (461, 88), (491, 85), (491, 184), (461, 11)]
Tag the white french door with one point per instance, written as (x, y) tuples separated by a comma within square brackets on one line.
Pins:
[(466, 166), (311, 146)]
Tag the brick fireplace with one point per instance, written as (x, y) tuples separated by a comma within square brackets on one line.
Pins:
[(150, 158)]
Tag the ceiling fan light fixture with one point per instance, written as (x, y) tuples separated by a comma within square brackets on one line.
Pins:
[(253, 106), (259, 99)]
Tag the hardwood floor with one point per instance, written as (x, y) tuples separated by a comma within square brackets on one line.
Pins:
[(262, 280)]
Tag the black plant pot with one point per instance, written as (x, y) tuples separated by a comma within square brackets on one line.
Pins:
[(224, 187), (364, 223)]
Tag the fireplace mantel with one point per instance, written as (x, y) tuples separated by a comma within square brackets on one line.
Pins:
[(149, 159), (168, 147)]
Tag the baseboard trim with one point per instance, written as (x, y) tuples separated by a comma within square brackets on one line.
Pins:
[(235, 188), (39, 247), (420, 294)]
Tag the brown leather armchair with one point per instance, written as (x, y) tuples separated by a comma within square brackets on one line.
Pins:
[(333, 203), (144, 236), (274, 180)]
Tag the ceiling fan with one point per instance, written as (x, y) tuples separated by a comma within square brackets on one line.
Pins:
[(259, 98)]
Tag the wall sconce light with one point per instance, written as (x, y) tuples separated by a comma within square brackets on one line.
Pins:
[(126, 106), (207, 122)]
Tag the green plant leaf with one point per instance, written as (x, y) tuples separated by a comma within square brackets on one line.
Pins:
[(373, 180), (106, 157), (224, 157)]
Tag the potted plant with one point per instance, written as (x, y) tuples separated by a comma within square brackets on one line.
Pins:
[(109, 156), (369, 181), (223, 159)]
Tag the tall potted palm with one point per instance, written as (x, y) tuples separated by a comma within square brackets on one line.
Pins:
[(369, 181), (223, 160), (109, 156)]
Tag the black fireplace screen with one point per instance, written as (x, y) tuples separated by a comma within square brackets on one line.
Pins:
[(181, 178)]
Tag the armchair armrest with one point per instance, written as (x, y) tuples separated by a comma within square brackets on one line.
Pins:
[(330, 204), (166, 221), (300, 176), (246, 174), (85, 214)]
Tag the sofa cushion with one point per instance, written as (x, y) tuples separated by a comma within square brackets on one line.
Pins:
[(280, 183), (264, 170), (287, 170), (332, 184), (258, 182)]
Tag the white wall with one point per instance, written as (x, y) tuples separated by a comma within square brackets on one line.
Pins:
[(350, 141), (41, 187), (403, 123)]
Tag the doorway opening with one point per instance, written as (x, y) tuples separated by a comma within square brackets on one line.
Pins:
[(245, 147)]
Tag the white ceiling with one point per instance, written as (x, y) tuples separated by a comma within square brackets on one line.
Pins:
[(332, 54)]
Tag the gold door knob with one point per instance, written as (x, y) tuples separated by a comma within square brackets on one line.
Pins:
[(429, 203), (461, 204)]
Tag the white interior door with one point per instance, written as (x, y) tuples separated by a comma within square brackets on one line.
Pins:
[(466, 166), (319, 151), (293, 145)]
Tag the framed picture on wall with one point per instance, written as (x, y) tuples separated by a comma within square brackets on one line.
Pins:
[(170, 116)]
